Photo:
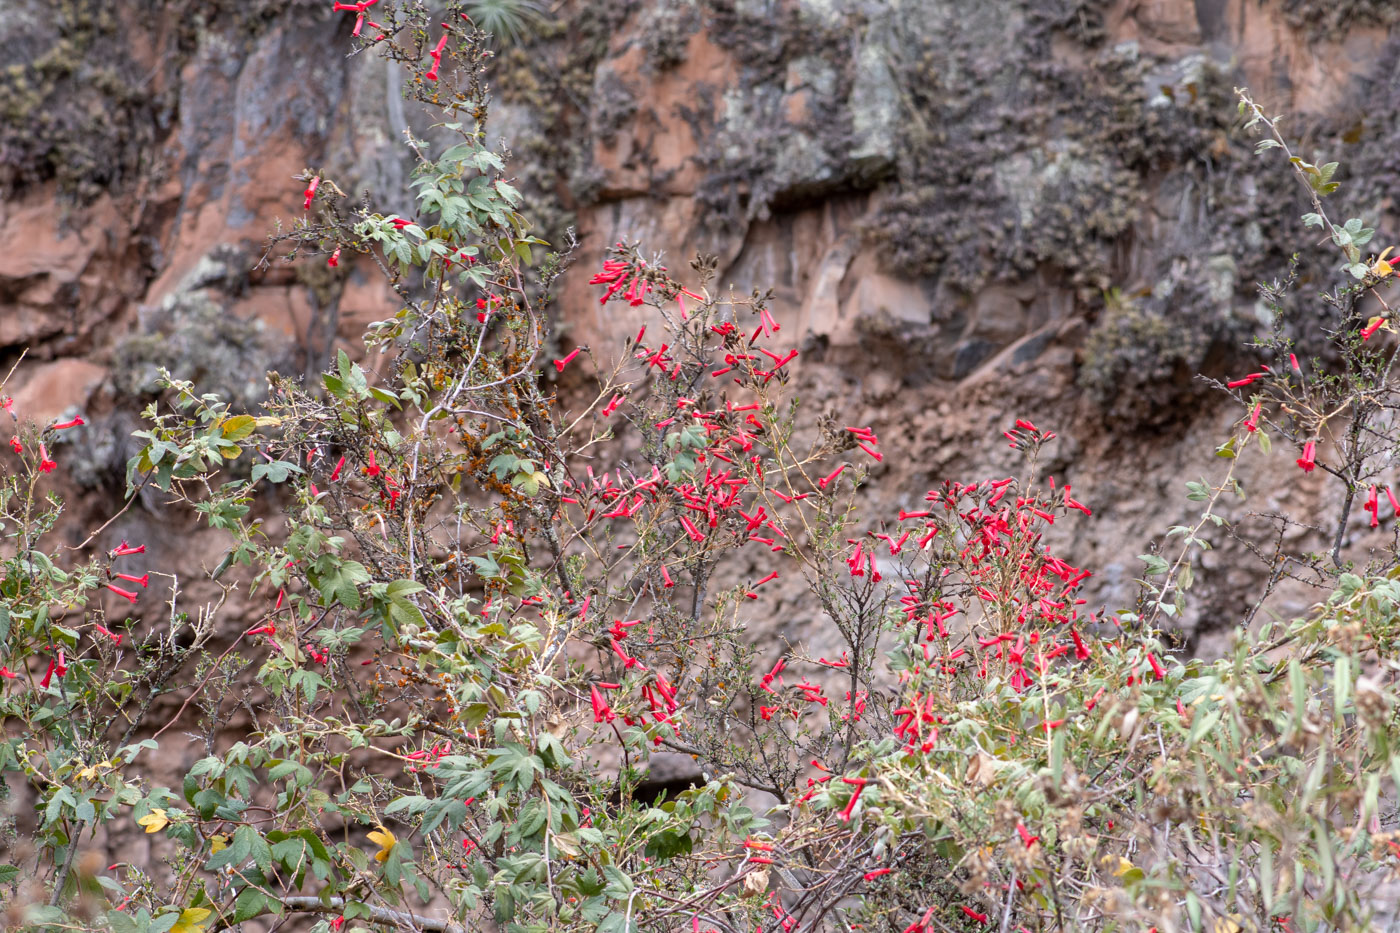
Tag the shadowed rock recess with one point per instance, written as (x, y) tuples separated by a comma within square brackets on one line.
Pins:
[(968, 212)]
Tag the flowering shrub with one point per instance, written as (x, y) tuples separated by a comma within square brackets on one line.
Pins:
[(488, 602)]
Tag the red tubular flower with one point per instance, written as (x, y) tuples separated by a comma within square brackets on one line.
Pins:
[(830, 477), (1371, 328), (602, 712), (560, 364), (1072, 504), (45, 464), (1293, 361), (1251, 423), (311, 193), (768, 677), (262, 630), (921, 926), (859, 784), (339, 465), (373, 468), (1081, 651), (123, 549), (1373, 506), (48, 674), (1393, 503), (1156, 666), (125, 594), (16, 445), (980, 918), (76, 422), (142, 581), (691, 530), (7, 673), (1025, 834), (628, 661), (872, 875), (1309, 458), (334, 259)]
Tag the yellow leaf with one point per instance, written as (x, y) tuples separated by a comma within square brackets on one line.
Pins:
[(191, 920), (94, 770), (385, 840), (1228, 924), (238, 427), (218, 843), (1118, 865), (154, 821), (1382, 267)]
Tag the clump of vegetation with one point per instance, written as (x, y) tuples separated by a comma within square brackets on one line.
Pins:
[(484, 609)]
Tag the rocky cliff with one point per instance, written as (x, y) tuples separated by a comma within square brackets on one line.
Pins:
[(968, 213)]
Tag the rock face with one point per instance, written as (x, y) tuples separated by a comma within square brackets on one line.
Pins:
[(968, 212)]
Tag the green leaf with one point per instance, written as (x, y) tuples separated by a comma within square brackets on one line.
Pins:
[(274, 472), (404, 588), (252, 903), (40, 914), (619, 885), (385, 396), (668, 845), (1341, 685), (589, 884), (1155, 565), (121, 922), (509, 193), (1202, 725)]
